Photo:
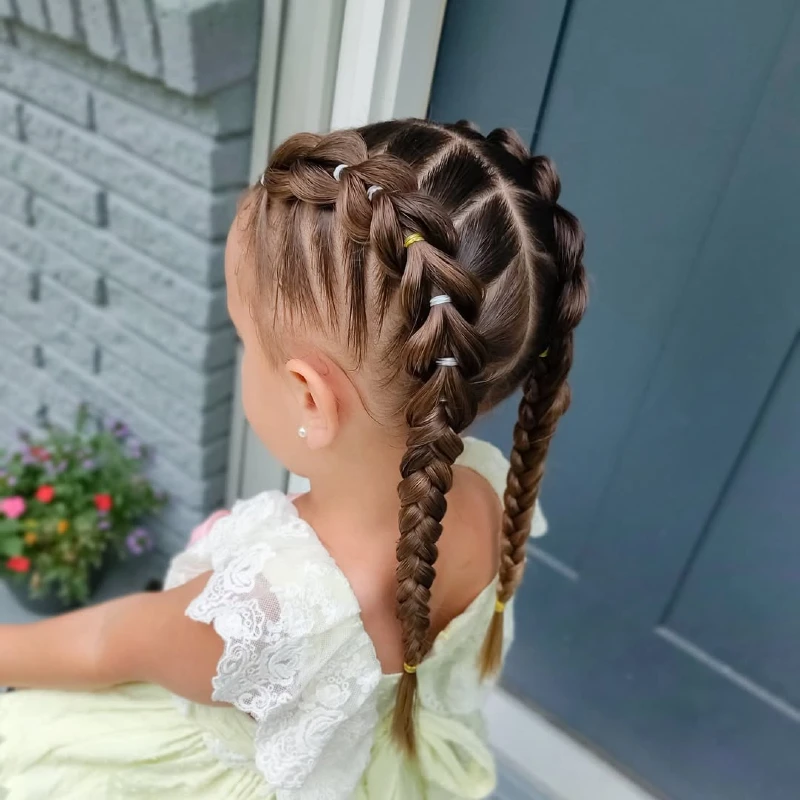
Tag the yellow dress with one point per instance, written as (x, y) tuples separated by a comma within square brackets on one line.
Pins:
[(309, 707)]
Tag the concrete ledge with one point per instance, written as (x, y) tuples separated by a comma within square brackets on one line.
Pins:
[(196, 47)]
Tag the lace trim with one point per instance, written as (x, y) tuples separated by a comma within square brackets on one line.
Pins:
[(295, 656)]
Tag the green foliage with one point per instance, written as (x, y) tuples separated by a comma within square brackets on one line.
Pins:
[(69, 501)]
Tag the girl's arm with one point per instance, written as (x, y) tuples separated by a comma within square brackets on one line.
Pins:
[(144, 637)]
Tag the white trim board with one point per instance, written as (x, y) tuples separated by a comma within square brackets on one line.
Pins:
[(387, 60), (554, 764)]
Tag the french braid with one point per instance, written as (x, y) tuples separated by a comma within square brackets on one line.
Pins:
[(441, 404)]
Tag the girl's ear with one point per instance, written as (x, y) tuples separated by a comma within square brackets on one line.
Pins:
[(318, 409)]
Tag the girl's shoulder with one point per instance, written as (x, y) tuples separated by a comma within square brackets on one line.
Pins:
[(488, 461)]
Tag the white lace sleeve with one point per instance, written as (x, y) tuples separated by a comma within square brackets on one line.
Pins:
[(296, 655)]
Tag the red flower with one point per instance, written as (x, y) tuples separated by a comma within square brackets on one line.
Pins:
[(18, 564), (103, 502), (44, 494)]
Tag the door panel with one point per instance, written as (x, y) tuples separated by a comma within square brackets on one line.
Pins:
[(659, 619), (737, 318), (644, 119), (747, 561), (645, 146), (494, 47)]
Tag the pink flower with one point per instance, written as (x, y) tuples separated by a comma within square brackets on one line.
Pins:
[(40, 453), (12, 507)]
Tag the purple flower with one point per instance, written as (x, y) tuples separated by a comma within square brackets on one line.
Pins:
[(120, 429), (104, 524), (12, 480), (134, 448), (139, 541), (29, 458), (88, 464)]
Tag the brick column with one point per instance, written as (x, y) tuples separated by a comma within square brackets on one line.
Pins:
[(124, 145)]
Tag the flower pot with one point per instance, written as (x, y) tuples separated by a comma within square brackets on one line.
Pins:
[(49, 603)]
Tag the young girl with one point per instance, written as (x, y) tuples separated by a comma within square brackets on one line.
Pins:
[(388, 284)]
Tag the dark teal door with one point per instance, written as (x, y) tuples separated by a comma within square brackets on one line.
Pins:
[(660, 618)]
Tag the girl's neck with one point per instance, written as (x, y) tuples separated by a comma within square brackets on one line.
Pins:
[(355, 490)]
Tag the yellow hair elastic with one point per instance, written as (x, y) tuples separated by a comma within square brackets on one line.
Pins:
[(412, 238), (409, 668), (499, 606), (544, 353)]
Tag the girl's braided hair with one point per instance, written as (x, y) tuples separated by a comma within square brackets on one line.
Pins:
[(357, 231)]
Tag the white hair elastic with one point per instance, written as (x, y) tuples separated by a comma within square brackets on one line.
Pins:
[(372, 190), (440, 300), (337, 173), (448, 361), (263, 179)]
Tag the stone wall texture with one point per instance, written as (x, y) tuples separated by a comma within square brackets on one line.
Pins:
[(124, 145)]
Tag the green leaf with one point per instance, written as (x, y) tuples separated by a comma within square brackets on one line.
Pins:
[(11, 547), (10, 527)]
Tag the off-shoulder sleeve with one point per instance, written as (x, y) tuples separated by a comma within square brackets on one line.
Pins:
[(487, 460), (296, 656)]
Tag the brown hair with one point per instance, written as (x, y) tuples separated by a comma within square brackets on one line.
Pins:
[(492, 237)]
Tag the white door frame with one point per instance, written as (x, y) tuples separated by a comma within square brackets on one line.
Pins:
[(294, 92), (342, 63)]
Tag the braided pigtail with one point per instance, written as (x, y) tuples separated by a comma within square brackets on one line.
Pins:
[(546, 393), (441, 353), (378, 206)]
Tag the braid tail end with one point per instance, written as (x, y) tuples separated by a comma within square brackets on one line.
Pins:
[(491, 656), (404, 715)]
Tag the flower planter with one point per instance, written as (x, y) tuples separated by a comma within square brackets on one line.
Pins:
[(68, 500), (48, 603)]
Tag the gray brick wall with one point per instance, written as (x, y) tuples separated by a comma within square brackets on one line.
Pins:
[(124, 145)]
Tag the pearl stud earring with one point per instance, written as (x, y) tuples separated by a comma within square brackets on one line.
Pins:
[(302, 432)]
